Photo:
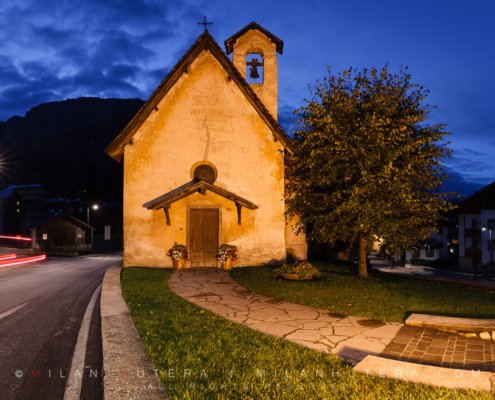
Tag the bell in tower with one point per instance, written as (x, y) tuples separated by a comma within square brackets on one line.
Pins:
[(259, 71), (253, 71)]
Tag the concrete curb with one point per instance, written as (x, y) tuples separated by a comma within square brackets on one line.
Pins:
[(117, 253), (467, 284), (442, 271), (129, 373), (485, 328), (427, 375)]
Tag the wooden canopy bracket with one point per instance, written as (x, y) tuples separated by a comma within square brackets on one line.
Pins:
[(165, 208), (239, 207), (229, 78), (202, 191)]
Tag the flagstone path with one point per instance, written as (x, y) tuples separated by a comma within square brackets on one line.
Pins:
[(350, 338)]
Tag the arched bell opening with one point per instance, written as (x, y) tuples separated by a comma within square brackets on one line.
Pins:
[(254, 68)]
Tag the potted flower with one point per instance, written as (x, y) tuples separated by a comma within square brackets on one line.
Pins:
[(226, 253), (179, 254), (298, 271)]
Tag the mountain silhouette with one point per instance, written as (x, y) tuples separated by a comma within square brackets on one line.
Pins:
[(61, 145)]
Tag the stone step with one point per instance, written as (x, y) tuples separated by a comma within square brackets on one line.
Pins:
[(426, 374), (484, 328)]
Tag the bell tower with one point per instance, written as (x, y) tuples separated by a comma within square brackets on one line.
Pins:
[(255, 56)]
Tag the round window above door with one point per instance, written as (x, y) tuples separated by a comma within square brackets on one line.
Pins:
[(205, 172)]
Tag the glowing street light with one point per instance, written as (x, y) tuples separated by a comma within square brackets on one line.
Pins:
[(489, 242), (94, 207)]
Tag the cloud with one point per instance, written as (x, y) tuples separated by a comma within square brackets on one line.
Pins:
[(53, 50), (462, 185), (56, 50)]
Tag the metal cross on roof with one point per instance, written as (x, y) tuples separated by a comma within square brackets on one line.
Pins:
[(205, 24)]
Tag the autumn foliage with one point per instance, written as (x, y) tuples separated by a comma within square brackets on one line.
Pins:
[(367, 165)]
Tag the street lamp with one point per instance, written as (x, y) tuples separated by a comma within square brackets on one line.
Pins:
[(94, 207), (489, 242)]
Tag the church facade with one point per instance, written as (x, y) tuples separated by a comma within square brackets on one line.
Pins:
[(204, 159)]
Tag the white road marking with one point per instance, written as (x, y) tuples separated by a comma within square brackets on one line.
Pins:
[(12, 310), (74, 383)]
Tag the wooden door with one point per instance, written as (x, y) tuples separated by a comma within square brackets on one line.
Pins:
[(204, 230)]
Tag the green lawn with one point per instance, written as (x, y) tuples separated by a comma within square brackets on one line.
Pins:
[(181, 336), (378, 296)]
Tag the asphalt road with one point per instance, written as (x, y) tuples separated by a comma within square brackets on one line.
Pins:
[(41, 309)]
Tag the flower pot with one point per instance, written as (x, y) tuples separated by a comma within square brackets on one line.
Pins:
[(227, 264), (295, 277), (179, 264)]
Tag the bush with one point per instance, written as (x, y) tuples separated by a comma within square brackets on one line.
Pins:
[(303, 269)]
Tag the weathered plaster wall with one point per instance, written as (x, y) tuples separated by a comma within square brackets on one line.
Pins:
[(204, 117), (256, 42), (295, 241)]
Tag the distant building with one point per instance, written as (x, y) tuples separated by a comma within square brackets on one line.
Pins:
[(10, 215), (64, 234), (476, 225), (434, 247), (107, 218), (30, 192)]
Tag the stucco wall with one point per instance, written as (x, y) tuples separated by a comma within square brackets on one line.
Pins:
[(255, 42), (204, 117)]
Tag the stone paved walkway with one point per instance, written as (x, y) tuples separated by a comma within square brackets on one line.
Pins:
[(350, 338), (432, 347)]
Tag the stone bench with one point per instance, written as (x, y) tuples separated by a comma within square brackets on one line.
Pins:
[(484, 328)]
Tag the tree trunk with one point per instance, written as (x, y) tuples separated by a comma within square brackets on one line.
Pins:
[(363, 268)]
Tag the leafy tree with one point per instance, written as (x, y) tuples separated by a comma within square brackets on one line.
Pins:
[(366, 165)]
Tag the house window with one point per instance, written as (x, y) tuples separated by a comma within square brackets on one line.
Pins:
[(491, 245), (440, 231), (475, 244), (416, 253), (474, 224), (430, 252)]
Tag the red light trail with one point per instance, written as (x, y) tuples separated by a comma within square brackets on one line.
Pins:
[(7, 256), (8, 263), (16, 237)]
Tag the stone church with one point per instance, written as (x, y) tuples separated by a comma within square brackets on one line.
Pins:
[(204, 159)]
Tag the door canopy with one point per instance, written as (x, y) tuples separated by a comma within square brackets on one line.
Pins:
[(192, 187)]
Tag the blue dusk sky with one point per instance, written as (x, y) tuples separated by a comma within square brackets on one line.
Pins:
[(53, 50)]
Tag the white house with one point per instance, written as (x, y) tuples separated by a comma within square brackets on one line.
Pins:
[(477, 230), (434, 247)]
